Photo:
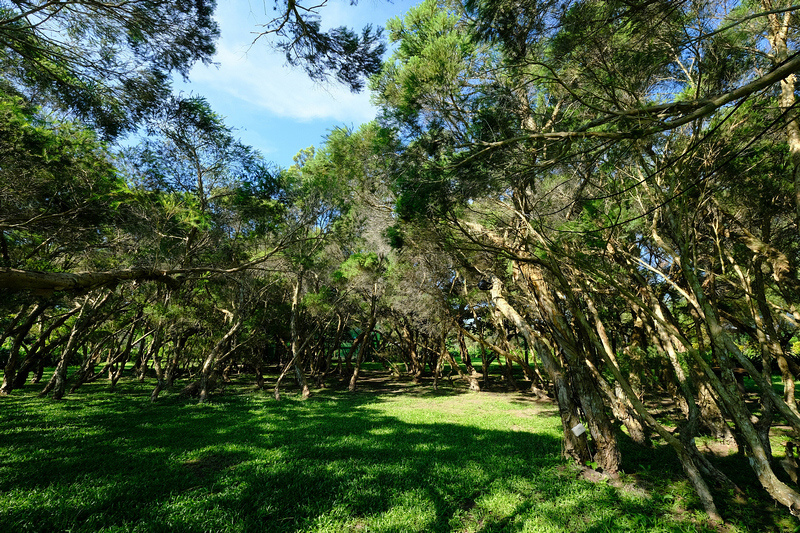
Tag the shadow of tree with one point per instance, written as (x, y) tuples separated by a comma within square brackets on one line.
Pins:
[(337, 462)]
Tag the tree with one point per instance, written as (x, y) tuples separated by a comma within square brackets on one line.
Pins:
[(107, 63), (339, 52), (600, 135), (52, 175), (202, 174)]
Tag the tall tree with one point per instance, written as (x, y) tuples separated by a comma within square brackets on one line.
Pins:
[(604, 124)]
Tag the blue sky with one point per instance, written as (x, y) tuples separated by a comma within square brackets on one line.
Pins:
[(274, 108)]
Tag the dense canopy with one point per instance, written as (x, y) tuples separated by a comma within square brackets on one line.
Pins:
[(603, 194)]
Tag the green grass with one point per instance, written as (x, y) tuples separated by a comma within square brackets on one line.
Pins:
[(416, 460)]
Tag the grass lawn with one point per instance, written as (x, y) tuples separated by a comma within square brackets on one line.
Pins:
[(390, 458)]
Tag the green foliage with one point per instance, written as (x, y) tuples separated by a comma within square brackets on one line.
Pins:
[(108, 63), (52, 174), (209, 190), (357, 264), (435, 55), (563, 149), (340, 52), (426, 188), (394, 236)]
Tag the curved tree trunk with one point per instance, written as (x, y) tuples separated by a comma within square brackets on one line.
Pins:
[(58, 382), (9, 372), (687, 459), (153, 353), (211, 363), (37, 353), (366, 342), (362, 350), (726, 388), (591, 401)]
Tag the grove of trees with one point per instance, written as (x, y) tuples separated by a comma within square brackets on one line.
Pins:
[(603, 193)]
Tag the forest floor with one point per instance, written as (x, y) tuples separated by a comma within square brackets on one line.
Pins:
[(392, 457)]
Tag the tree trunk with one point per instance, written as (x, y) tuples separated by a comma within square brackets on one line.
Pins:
[(687, 460), (760, 460), (780, 26), (260, 383), (608, 454), (17, 280), (35, 359), (9, 372), (153, 353), (214, 357), (576, 446), (337, 344), (532, 374), (408, 343), (464, 352), (296, 353), (362, 350), (58, 382)]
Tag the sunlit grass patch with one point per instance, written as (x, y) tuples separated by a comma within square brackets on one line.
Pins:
[(438, 461)]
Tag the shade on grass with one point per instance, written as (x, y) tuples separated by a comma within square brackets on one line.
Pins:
[(427, 461)]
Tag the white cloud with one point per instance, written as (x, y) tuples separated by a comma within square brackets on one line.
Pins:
[(260, 78), (273, 107)]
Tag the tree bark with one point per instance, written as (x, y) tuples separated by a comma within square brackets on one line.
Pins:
[(48, 282), (780, 25), (9, 372), (575, 446), (37, 352), (153, 353), (760, 460), (213, 358), (295, 332), (58, 382), (362, 350)]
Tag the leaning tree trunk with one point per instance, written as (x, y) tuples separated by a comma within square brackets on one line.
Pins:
[(608, 455), (293, 364), (295, 332), (448, 357), (362, 350), (58, 382), (116, 375), (690, 466), (214, 357), (575, 446), (530, 373), (760, 458), (780, 27), (464, 352), (725, 388), (9, 372), (90, 361), (765, 324), (335, 348), (37, 353), (153, 353), (408, 342)]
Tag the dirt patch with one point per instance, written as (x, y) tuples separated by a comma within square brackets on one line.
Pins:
[(631, 485)]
